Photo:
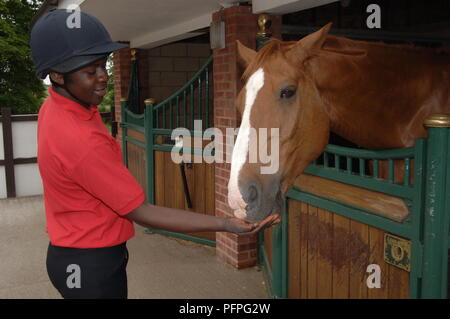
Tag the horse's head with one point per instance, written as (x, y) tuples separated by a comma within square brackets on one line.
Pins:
[(280, 98)]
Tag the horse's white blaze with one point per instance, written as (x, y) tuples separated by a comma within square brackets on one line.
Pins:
[(241, 147)]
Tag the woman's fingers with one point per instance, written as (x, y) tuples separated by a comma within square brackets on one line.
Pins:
[(267, 222)]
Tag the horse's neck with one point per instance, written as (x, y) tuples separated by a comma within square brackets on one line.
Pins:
[(379, 99)]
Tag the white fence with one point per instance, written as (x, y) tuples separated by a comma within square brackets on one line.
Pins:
[(19, 174)]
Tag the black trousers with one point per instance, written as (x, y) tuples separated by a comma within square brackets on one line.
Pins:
[(94, 273)]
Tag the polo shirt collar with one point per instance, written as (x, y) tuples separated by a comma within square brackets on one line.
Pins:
[(78, 110)]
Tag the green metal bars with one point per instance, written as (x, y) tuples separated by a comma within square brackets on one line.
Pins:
[(191, 102)]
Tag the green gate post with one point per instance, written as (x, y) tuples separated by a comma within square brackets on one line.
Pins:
[(150, 155), (436, 215), (263, 35), (123, 120)]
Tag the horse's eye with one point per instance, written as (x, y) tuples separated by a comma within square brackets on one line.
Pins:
[(287, 93)]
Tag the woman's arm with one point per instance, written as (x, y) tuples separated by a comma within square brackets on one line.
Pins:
[(181, 221)]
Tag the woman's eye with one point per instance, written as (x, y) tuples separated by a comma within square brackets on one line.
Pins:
[(287, 93)]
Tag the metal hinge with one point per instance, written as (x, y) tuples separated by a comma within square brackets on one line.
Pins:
[(397, 251)]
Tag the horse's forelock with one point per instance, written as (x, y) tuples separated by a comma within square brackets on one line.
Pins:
[(271, 48)]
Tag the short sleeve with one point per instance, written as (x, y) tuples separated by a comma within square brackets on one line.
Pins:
[(102, 173)]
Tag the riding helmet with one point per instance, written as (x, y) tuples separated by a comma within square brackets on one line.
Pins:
[(60, 46)]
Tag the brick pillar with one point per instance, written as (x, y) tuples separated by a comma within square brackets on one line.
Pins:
[(240, 25), (143, 78), (122, 72)]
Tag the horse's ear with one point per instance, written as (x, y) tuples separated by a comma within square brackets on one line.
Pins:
[(245, 54), (314, 41)]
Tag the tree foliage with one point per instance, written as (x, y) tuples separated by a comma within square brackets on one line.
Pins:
[(20, 89)]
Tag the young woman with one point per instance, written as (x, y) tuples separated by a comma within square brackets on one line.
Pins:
[(91, 199)]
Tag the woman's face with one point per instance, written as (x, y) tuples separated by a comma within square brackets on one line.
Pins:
[(88, 84)]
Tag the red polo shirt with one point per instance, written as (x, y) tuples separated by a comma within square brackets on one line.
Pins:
[(87, 189)]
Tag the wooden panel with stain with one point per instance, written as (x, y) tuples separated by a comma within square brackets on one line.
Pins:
[(328, 255)]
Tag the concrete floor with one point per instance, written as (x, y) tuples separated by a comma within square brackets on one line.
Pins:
[(159, 266)]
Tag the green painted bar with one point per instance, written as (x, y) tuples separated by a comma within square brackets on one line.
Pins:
[(376, 173), (149, 141), (260, 41), (337, 162), (349, 165), (365, 182), (133, 127), (362, 167), (369, 154), (135, 120), (325, 159), (284, 252), (436, 214), (391, 171), (416, 219), (407, 171), (135, 142), (277, 266)]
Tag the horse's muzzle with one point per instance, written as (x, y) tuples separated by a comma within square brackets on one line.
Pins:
[(261, 200)]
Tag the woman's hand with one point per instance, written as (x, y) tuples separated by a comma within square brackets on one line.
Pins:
[(243, 228)]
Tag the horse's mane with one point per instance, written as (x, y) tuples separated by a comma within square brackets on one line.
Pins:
[(332, 44)]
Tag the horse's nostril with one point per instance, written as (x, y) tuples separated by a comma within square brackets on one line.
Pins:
[(252, 193)]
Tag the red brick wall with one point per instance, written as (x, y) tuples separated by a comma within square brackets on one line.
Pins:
[(122, 72), (241, 25)]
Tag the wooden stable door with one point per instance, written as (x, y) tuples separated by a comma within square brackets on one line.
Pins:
[(169, 190), (329, 255)]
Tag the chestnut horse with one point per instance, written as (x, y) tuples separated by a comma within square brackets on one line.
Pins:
[(372, 94)]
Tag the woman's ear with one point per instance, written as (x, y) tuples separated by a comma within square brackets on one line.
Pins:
[(57, 77), (245, 55)]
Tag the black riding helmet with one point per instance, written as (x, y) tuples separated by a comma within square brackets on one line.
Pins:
[(58, 46)]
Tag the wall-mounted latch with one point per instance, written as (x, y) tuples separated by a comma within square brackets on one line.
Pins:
[(397, 251)]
